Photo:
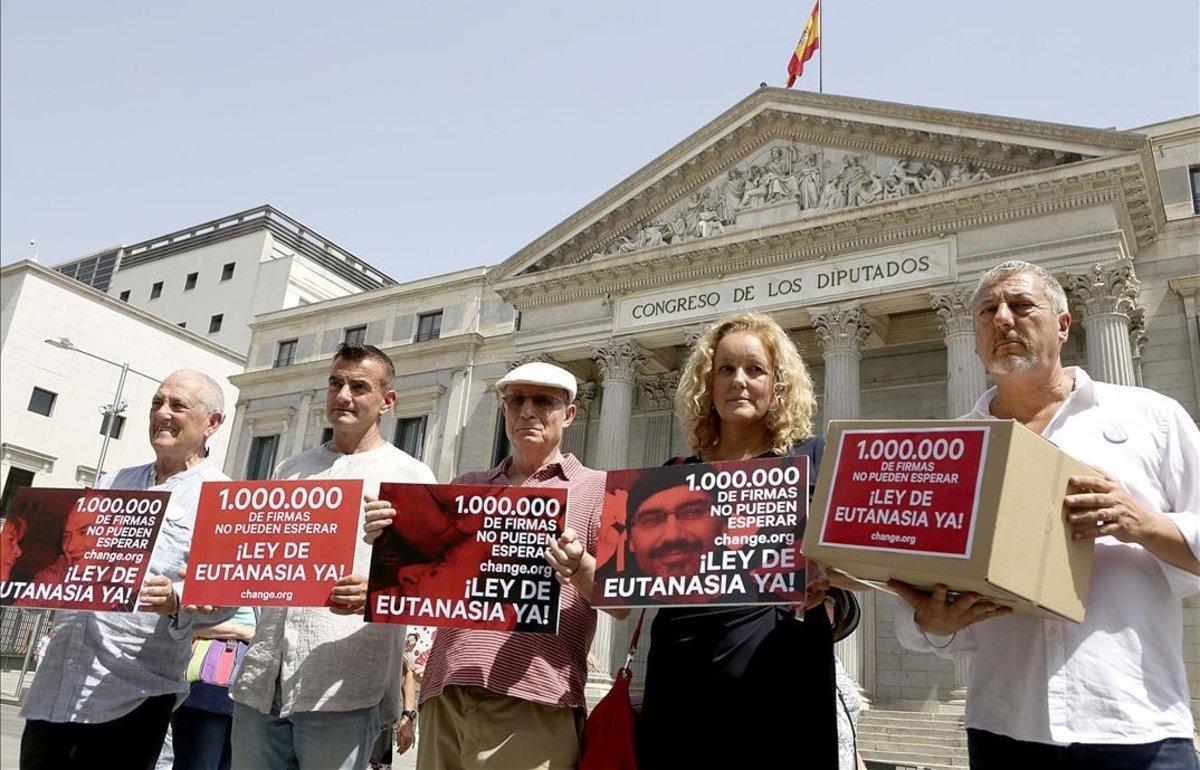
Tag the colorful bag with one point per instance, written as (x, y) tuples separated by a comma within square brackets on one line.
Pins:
[(608, 732), (216, 661)]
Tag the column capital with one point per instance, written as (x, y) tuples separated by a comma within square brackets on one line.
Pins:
[(619, 360), (953, 308), (1106, 288), (585, 395), (657, 391), (842, 327), (530, 358)]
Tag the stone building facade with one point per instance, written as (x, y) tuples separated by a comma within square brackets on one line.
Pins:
[(860, 225)]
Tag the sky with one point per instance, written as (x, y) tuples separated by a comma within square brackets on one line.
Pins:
[(427, 137)]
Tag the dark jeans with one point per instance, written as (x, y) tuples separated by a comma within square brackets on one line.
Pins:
[(201, 739), (132, 741), (999, 752)]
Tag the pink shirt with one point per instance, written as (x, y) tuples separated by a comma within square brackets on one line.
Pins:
[(543, 668)]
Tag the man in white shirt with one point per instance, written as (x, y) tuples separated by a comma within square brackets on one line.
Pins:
[(1111, 692), (315, 684)]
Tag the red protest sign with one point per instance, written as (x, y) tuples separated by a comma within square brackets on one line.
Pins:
[(467, 556), (272, 543), (722, 533), (914, 490), (78, 549)]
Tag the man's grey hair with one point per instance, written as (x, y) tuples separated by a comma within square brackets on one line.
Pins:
[(1058, 298), (208, 392)]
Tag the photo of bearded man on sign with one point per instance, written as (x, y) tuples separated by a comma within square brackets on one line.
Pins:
[(669, 529)]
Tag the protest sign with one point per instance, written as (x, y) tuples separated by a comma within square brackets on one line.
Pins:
[(78, 549), (468, 556), (914, 490), (273, 543), (722, 533)]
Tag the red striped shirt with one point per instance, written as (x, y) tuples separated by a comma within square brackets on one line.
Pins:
[(543, 668)]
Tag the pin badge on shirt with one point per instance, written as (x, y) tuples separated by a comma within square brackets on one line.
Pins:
[(1116, 434)]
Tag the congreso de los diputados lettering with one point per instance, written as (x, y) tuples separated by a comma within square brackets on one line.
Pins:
[(860, 225)]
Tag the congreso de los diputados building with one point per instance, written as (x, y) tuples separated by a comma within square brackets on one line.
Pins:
[(860, 225)]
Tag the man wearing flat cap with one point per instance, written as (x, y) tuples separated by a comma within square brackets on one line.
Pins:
[(501, 700)]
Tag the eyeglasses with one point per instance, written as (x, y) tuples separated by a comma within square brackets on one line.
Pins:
[(656, 517), (516, 402)]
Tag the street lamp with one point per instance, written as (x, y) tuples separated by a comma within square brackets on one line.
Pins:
[(110, 411)]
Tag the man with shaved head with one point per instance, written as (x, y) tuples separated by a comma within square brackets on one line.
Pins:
[(109, 681)]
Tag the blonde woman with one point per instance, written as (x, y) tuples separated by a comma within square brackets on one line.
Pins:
[(747, 686)]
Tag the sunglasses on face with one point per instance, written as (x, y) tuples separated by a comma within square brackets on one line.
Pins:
[(516, 402)]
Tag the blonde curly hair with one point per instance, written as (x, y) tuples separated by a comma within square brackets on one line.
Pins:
[(790, 419)]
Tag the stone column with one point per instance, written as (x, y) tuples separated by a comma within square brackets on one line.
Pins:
[(965, 377), (1137, 340), (842, 330), (657, 394), (619, 362), (301, 423), (1107, 294), (575, 437)]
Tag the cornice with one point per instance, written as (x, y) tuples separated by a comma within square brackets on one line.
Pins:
[(925, 133), (1108, 180), (400, 355)]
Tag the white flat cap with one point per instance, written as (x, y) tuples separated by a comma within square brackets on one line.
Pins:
[(540, 373)]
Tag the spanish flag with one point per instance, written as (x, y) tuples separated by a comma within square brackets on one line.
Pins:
[(810, 41)]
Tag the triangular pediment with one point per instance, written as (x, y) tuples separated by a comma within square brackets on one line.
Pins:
[(783, 156)]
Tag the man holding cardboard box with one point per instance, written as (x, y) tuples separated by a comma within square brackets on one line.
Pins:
[(1112, 691)]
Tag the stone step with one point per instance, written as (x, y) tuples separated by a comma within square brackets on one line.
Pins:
[(911, 716), (877, 741), (918, 757), (909, 724), (883, 765)]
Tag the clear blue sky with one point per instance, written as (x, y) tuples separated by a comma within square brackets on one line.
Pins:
[(430, 136)]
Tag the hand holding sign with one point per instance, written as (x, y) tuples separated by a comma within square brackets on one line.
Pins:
[(565, 555), (377, 516), (349, 595), (158, 596)]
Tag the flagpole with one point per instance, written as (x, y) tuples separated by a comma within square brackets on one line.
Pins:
[(821, 45)]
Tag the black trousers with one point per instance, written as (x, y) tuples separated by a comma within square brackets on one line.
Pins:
[(990, 751), (132, 741)]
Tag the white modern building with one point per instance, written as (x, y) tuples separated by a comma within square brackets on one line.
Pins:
[(64, 348), (214, 277), (860, 225)]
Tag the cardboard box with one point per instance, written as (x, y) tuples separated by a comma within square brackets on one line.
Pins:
[(974, 504)]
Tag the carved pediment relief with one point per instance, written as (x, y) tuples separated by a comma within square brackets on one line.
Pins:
[(789, 180), (786, 161)]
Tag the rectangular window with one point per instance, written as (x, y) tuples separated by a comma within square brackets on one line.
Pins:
[(287, 353), (118, 425), (156, 290), (125, 296), (429, 326), (517, 322), (227, 271), (356, 335), (410, 435), (326, 435), (41, 401), (262, 457), (214, 323), (17, 478), (189, 283), (1194, 172)]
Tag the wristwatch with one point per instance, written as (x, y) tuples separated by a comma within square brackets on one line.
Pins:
[(410, 714)]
